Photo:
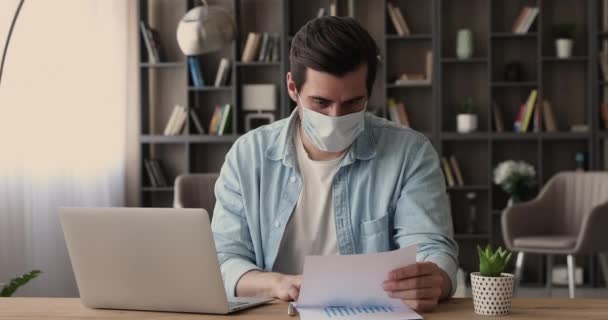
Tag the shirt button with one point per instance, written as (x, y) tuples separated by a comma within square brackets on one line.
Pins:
[(277, 224), (293, 179)]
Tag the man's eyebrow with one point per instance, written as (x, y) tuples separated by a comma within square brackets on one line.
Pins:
[(329, 100)]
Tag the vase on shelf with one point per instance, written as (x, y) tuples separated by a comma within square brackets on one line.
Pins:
[(513, 199), (464, 44)]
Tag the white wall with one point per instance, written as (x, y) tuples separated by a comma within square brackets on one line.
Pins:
[(68, 60)]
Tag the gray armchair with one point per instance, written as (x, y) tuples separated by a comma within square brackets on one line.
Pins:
[(195, 191), (569, 217)]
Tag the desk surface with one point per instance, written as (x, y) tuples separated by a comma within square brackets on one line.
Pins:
[(54, 308)]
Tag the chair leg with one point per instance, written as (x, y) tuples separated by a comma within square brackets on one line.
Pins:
[(519, 265), (571, 266), (549, 276), (603, 257)]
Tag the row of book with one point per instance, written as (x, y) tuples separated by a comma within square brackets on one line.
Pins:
[(333, 10), (151, 41), (261, 47), (397, 112), (220, 123), (529, 116), (155, 173), (222, 76), (524, 20), (452, 172)]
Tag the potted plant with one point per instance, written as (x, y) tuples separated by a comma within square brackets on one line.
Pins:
[(564, 39), (466, 118), (492, 288), (9, 289), (516, 178)]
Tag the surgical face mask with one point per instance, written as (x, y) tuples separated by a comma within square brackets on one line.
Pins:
[(332, 134)]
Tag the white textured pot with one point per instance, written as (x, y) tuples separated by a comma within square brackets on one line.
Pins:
[(466, 123), (492, 295), (564, 48)]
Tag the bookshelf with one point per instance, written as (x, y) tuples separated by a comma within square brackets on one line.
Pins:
[(574, 86)]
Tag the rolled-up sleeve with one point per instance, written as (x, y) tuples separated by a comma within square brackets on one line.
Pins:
[(230, 227), (422, 215)]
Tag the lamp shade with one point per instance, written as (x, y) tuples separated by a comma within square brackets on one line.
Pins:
[(205, 29)]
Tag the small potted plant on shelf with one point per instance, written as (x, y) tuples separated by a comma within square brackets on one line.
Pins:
[(9, 289), (466, 118), (492, 288), (516, 178), (564, 39)]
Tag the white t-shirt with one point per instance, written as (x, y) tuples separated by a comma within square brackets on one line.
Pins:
[(311, 230)]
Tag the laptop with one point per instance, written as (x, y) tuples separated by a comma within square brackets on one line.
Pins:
[(147, 259)]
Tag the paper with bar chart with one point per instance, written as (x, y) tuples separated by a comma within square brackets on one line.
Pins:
[(350, 287)]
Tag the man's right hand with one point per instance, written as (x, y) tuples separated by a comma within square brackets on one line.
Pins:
[(269, 284)]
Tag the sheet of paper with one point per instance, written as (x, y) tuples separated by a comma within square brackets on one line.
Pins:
[(351, 280), (357, 313)]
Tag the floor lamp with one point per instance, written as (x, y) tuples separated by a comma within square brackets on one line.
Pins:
[(8, 38)]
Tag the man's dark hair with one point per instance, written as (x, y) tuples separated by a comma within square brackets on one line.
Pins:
[(335, 45)]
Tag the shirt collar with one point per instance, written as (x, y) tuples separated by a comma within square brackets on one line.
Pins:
[(283, 148)]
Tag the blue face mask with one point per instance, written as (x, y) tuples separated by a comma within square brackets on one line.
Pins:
[(332, 134)]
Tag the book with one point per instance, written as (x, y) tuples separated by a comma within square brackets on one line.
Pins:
[(528, 20), (276, 49), (393, 114), (518, 22), (215, 120), (403, 117), (537, 117), (456, 170), (604, 114), (518, 119), (150, 174), (263, 46), (171, 122), (530, 104), (158, 173), (603, 57), (392, 12), (147, 41), (223, 70), (251, 47), (225, 121), (429, 66), (499, 125), (401, 20), (197, 122), (195, 72), (549, 117), (154, 43), (447, 172), (179, 122)]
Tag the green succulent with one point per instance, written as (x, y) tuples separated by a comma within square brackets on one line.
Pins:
[(566, 30), (9, 289), (467, 106), (492, 263)]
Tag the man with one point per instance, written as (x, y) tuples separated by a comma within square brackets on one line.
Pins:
[(332, 179)]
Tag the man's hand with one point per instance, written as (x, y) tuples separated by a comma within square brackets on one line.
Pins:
[(420, 285), (269, 284), (287, 288)]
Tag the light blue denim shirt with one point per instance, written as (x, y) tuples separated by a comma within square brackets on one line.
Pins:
[(388, 193)]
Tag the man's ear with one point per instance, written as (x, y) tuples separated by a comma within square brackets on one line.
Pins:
[(291, 87)]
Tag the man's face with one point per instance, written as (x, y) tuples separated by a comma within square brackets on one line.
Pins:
[(330, 95)]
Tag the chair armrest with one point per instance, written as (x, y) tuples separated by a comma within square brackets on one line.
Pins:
[(593, 237), (526, 219)]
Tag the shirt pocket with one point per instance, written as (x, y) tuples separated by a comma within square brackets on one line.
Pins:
[(375, 235)]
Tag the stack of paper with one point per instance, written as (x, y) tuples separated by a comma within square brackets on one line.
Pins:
[(350, 287)]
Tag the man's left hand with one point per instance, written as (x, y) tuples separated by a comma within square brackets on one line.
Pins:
[(420, 285)]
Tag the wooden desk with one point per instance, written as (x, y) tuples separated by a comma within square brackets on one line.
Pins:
[(56, 309)]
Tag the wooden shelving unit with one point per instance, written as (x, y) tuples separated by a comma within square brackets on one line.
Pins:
[(574, 86)]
